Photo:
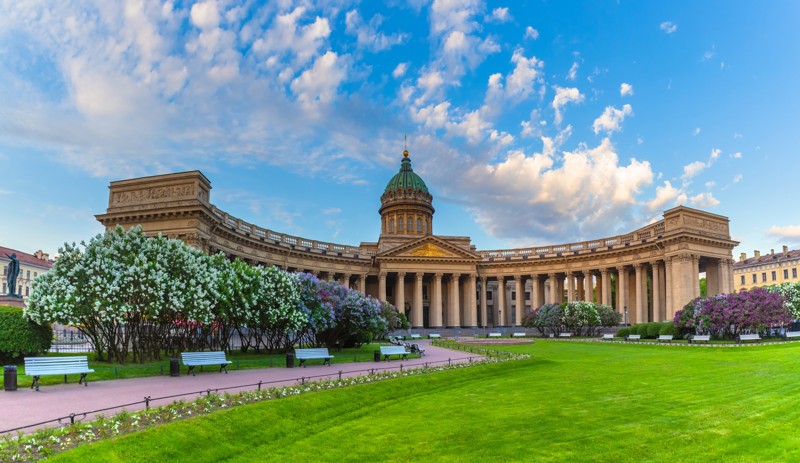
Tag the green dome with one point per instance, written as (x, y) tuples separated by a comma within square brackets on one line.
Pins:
[(406, 178)]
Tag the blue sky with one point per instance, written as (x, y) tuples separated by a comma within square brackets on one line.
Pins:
[(532, 122)]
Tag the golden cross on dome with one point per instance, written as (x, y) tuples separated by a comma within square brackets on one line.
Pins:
[(405, 145)]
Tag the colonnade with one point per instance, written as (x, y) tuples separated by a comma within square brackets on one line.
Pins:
[(451, 297)]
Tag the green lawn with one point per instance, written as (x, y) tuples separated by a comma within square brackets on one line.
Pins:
[(105, 371), (570, 402)]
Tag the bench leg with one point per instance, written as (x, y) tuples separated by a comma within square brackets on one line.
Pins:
[(191, 370), (223, 366), (65, 379), (327, 362), (302, 363), (386, 357), (35, 383), (83, 380)]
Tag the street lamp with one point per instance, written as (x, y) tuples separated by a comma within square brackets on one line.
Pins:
[(626, 315)]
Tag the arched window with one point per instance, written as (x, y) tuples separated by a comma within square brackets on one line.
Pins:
[(410, 227), (399, 225), (419, 225), (391, 226)]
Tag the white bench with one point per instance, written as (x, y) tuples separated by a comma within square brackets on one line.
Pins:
[(564, 335), (633, 337), (608, 336), (434, 336), (700, 338), (198, 359), (665, 338), (416, 336), (494, 335), (748, 337), (791, 334), (317, 353), (386, 351), (518, 335), (42, 366)]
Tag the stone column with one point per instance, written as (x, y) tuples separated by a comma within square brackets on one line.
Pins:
[(520, 305), (696, 274), (500, 311), (471, 313), (435, 313), (640, 318), (362, 283), (588, 287), (670, 311), (579, 293), (346, 280), (453, 315), (727, 278), (683, 281), (656, 290), (622, 292), (551, 296), (483, 302), (570, 286), (535, 292), (382, 286), (605, 278), (416, 308), (400, 292)]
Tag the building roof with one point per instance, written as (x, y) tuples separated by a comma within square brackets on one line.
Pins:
[(406, 178), (24, 258), (768, 259)]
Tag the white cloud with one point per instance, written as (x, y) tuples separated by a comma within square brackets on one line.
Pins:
[(611, 119), (368, 35), (472, 126), (708, 54), (738, 178), (666, 195), (625, 89), (400, 70), (564, 96), (737, 135), (696, 131), (530, 128), (703, 201), (710, 184), (501, 15), (668, 26), (573, 71), (692, 169), (205, 15), (287, 35), (332, 211), (736, 155), (520, 84), (433, 116), (787, 231), (501, 138), (317, 85), (531, 33)]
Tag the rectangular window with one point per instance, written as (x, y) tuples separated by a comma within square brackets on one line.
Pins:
[(527, 295), (794, 273), (5, 270), (754, 278), (774, 275), (763, 277), (35, 275), (399, 225), (4, 288), (742, 279), (786, 274), (419, 225), (513, 296), (391, 226), (28, 277), (27, 290), (488, 295)]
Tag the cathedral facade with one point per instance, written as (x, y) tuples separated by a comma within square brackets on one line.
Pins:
[(444, 281)]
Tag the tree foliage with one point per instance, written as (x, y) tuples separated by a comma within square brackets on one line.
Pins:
[(578, 317), (20, 337)]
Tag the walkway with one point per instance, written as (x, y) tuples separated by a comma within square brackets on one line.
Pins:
[(25, 406)]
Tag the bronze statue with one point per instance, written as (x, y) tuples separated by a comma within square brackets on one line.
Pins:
[(13, 274)]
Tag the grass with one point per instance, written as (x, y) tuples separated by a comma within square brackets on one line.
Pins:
[(571, 402), (107, 371)]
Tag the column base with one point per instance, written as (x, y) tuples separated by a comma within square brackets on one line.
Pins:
[(417, 327), (470, 327), (458, 327), (435, 327)]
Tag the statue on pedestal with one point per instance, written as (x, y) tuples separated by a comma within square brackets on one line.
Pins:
[(13, 274)]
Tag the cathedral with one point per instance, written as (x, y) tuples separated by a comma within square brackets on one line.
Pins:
[(444, 281)]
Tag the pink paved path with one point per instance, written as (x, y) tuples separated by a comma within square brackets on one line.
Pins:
[(25, 406)]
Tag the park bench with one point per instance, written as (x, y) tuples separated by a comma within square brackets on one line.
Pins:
[(665, 338), (198, 359), (494, 335), (386, 351), (416, 336), (308, 354), (700, 338), (434, 336), (608, 336), (748, 337), (518, 335), (791, 335), (564, 335), (633, 337), (41, 366)]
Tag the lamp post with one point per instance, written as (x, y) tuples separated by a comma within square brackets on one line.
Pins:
[(626, 315)]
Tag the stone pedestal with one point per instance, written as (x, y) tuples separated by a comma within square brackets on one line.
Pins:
[(13, 301)]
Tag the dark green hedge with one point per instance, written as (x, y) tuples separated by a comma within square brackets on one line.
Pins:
[(20, 337)]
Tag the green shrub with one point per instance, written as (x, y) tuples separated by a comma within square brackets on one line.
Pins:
[(668, 328), (641, 329), (20, 337), (622, 332), (653, 329)]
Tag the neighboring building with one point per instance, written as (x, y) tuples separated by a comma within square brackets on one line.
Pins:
[(444, 280), (30, 266), (767, 270)]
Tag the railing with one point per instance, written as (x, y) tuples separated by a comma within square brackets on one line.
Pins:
[(646, 233)]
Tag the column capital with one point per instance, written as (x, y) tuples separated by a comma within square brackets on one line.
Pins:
[(519, 277), (438, 276), (570, 273), (604, 271), (620, 268), (455, 275), (382, 275), (587, 273), (655, 263), (501, 278), (401, 274), (535, 277), (420, 275), (638, 266)]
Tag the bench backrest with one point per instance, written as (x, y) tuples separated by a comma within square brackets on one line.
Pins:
[(665, 337), (434, 335), (203, 358), (793, 334), (565, 335), (315, 353), (634, 336), (749, 337), (56, 365), (518, 335), (701, 337), (389, 350), (494, 335), (416, 336), (608, 336)]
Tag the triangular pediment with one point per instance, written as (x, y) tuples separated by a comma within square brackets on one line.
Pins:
[(430, 247)]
